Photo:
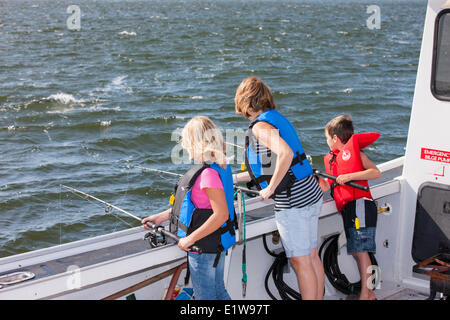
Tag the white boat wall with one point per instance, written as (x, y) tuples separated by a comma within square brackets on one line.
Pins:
[(122, 265)]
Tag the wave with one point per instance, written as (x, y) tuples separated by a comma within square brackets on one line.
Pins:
[(64, 98), (116, 84), (57, 103), (126, 33)]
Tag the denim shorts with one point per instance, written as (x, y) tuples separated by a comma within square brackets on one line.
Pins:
[(208, 281), (361, 240), (298, 229)]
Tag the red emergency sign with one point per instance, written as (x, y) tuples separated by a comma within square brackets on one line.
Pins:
[(435, 155)]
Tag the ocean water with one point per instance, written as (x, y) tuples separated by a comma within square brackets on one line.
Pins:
[(84, 107)]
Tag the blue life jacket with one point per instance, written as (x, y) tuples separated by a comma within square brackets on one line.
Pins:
[(261, 166), (185, 217)]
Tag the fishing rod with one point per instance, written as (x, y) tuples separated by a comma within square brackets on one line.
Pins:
[(180, 175), (316, 172), (158, 229), (350, 183), (158, 171), (329, 176)]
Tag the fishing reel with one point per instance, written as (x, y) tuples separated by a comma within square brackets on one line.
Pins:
[(155, 239)]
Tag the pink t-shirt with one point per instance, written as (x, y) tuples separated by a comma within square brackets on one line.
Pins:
[(209, 178)]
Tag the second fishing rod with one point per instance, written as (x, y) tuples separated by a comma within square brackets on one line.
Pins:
[(255, 192)]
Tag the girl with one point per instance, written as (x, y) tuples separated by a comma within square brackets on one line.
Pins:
[(203, 210), (277, 165)]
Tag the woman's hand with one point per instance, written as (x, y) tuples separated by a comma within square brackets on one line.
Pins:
[(324, 184), (266, 193)]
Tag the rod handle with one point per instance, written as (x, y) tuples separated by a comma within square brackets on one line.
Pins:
[(350, 183), (248, 190), (169, 234)]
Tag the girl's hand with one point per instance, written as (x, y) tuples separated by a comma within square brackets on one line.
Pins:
[(185, 243), (148, 219), (156, 219), (266, 193)]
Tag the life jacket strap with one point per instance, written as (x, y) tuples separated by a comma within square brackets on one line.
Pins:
[(216, 260), (332, 186), (229, 227), (299, 158)]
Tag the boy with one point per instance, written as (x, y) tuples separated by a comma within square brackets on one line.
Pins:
[(359, 212)]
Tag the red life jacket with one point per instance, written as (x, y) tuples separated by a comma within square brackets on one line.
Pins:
[(348, 160)]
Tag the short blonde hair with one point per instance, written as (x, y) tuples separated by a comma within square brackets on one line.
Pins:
[(253, 94), (203, 140)]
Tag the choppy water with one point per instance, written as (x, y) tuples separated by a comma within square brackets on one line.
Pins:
[(82, 107)]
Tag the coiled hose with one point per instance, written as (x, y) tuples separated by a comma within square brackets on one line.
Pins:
[(276, 269), (330, 264)]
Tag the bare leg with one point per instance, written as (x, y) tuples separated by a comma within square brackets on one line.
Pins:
[(363, 261), (319, 271), (306, 276)]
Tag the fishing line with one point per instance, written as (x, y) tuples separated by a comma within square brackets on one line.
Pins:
[(60, 215), (108, 207), (234, 145)]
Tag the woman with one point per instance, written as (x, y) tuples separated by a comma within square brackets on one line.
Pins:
[(277, 165), (203, 210)]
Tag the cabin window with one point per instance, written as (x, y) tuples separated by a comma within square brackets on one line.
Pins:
[(441, 77)]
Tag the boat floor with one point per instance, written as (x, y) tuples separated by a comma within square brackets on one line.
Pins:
[(388, 291)]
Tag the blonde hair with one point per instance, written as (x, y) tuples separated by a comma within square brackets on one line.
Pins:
[(253, 94), (203, 140)]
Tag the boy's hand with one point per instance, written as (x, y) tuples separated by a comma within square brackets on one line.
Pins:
[(344, 178)]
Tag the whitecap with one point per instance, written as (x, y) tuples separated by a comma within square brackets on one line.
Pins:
[(126, 33), (117, 81), (197, 97), (11, 128), (116, 84), (105, 123), (348, 90), (64, 98)]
